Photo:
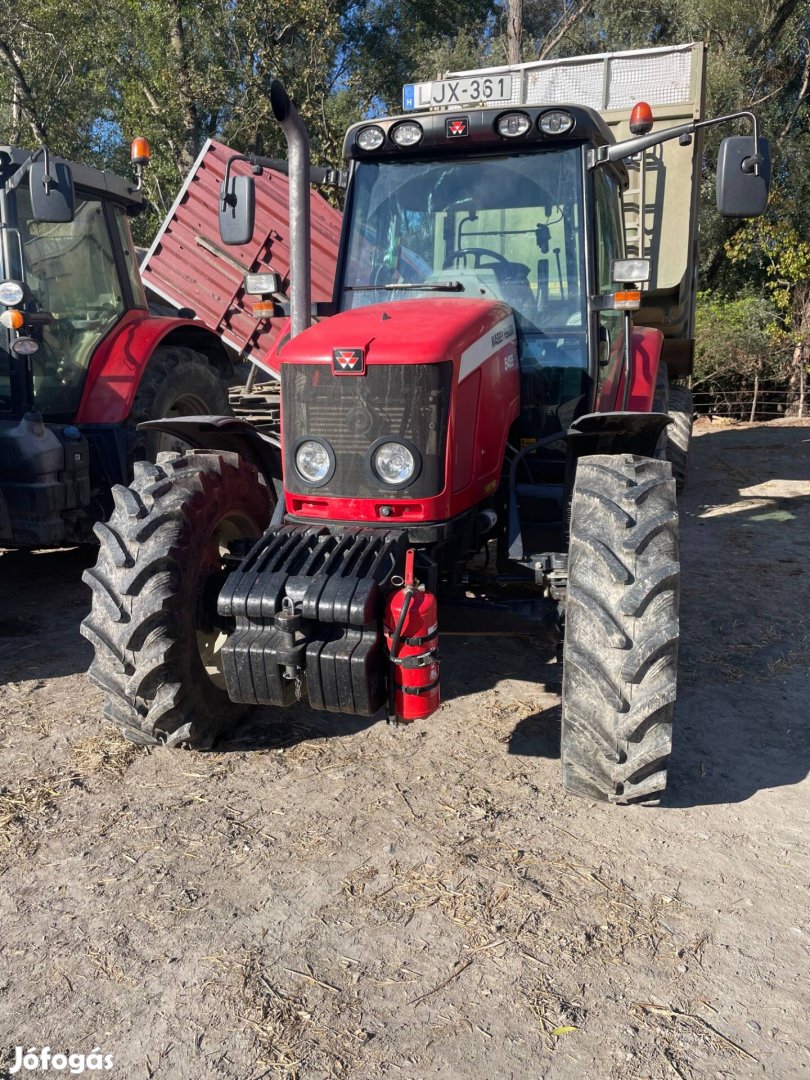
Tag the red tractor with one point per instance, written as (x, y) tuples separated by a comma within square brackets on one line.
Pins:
[(82, 360), (473, 441)]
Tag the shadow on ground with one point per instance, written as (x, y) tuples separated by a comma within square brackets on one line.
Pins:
[(742, 721), (42, 602)]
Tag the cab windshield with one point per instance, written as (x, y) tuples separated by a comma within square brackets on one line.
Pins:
[(506, 228)]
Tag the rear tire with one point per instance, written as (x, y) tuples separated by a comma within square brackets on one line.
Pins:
[(679, 433), (621, 629), (155, 647), (178, 381)]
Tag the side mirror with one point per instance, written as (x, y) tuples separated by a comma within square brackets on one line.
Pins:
[(740, 192), (51, 186), (237, 209)]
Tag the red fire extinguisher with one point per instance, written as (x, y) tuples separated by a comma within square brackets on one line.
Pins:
[(411, 634)]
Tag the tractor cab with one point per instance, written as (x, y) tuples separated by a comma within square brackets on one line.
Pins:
[(491, 205), (68, 274)]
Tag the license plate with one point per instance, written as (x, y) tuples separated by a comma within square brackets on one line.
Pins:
[(452, 93)]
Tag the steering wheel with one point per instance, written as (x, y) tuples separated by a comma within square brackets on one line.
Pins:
[(476, 252)]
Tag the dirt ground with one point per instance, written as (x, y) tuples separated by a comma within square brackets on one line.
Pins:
[(329, 898)]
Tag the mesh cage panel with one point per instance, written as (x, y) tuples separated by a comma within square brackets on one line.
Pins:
[(658, 80), (660, 76), (575, 84)]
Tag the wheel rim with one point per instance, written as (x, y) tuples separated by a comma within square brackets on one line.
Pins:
[(230, 527), (185, 405)]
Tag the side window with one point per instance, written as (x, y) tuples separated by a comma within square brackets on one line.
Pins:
[(609, 227), (609, 246), (130, 258), (70, 267)]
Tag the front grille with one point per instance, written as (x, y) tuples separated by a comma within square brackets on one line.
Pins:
[(396, 401)]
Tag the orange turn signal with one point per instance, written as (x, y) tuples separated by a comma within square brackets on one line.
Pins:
[(629, 300), (139, 153), (264, 309), (12, 319)]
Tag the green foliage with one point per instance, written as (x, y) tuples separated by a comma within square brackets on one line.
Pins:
[(736, 340), (88, 75), (772, 244), (389, 44)]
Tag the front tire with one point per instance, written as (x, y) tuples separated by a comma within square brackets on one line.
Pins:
[(154, 586), (621, 629)]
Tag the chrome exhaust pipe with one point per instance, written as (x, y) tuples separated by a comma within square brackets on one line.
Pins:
[(295, 133)]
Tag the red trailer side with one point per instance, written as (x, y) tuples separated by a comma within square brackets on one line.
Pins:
[(188, 266)]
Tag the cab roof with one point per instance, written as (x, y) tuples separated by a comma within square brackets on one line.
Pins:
[(95, 181), (480, 134)]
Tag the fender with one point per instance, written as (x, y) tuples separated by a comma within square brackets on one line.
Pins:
[(647, 346), (228, 433), (119, 361), (616, 433)]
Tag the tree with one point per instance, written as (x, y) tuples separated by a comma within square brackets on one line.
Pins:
[(737, 346), (774, 247)]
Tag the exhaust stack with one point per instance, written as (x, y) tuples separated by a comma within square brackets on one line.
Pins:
[(295, 133)]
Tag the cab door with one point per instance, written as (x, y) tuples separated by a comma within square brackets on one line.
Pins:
[(609, 245)]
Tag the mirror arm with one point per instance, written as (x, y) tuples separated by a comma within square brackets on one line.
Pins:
[(47, 179), (629, 147), (17, 177), (228, 198), (317, 174)]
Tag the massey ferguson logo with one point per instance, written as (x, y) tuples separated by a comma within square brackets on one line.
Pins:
[(349, 361), (457, 128)]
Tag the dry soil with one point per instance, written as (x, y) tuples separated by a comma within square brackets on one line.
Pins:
[(325, 897)]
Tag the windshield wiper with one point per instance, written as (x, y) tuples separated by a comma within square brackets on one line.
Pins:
[(430, 286)]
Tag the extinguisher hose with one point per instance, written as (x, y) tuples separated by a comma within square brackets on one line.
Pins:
[(406, 603), (392, 652)]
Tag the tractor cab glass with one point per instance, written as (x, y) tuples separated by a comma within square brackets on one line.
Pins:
[(497, 228), (71, 271)]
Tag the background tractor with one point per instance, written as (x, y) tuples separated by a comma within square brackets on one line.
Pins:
[(473, 440), (82, 359)]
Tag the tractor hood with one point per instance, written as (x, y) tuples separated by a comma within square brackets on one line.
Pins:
[(419, 331), (436, 377)]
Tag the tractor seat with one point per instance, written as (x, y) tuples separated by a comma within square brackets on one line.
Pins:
[(514, 287)]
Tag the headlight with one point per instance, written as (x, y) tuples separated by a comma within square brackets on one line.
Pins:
[(556, 122), (11, 293), (370, 138), (314, 460), (408, 133), (24, 346), (394, 463)]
